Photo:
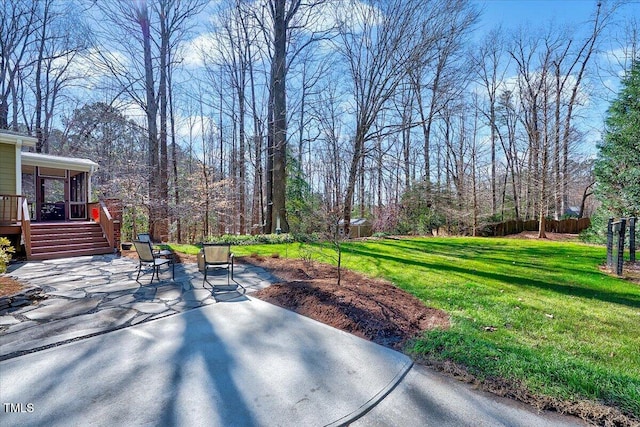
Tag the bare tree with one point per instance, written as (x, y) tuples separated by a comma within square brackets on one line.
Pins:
[(157, 27), (443, 72), (289, 29), (380, 43), (281, 16), (488, 63), (17, 30), (507, 121), (377, 53), (578, 66), (61, 38)]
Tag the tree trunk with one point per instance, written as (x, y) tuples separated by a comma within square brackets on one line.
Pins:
[(242, 168), (351, 183), (557, 187), (585, 194), (151, 112), (162, 228), (279, 128), (38, 83), (205, 176), (268, 223), (362, 184), (174, 155)]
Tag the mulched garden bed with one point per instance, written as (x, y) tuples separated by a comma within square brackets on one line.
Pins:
[(369, 308)]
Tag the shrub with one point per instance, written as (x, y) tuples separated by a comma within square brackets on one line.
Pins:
[(597, 231), (5, 253), (305, 238), (258, 239)]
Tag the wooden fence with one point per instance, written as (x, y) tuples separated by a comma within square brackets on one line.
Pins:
[(571, 226)]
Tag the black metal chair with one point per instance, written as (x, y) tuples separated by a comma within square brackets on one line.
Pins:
[(148, 259)]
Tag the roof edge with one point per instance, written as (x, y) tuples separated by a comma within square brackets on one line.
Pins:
[(58, 162), (10, 137)]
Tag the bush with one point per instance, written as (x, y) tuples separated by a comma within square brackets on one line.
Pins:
[(416, 215), (420, 222), (258, 239), (597, 232), (380, 234), (5, 253), (305, 238)]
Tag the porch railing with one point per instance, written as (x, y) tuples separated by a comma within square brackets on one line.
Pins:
[(26, 227), (14, 211), (10, 206)]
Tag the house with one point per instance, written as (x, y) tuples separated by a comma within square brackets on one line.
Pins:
[(45, 202), (572, 212), (360, 227)]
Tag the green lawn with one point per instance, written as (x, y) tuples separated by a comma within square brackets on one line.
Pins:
[(562, 328)]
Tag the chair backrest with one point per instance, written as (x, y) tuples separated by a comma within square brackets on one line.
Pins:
[(144, 237), (145, 252), (216, 253)]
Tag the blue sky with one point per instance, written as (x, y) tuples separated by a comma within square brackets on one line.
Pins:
[(539, 14), (535, 12)]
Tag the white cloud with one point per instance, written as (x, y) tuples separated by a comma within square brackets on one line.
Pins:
[(204, 45), (91, 66), (324, 17)]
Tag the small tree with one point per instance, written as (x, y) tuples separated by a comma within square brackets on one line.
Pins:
[(335, 239), (617, 168), (303, 205), (329, 237)]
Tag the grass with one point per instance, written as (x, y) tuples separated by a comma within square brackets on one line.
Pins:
[(185, 249), (537, 312)]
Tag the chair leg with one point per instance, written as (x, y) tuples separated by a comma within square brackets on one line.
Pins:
[(139, 270)]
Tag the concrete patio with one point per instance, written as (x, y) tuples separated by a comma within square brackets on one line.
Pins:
[(87, 296)]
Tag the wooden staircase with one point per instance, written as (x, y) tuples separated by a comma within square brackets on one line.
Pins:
[(67, 239)]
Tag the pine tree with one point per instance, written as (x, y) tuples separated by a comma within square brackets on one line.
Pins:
[(617, 168)]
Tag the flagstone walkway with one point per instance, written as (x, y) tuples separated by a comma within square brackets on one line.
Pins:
[(87, 296)]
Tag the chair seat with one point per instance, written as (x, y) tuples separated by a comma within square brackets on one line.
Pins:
[(161, 261)]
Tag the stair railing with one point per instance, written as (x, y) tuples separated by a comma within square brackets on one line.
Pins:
[(25, 222), (105, 220)]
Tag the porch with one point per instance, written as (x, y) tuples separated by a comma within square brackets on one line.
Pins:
[(44, 203), (63, 237)]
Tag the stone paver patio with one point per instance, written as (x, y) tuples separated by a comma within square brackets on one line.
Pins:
[(87, 296)]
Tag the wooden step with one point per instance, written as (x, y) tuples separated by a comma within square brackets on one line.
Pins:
[(53, 241), (70, 253), (67, 236), (67, 239), (63, 224), (63, 228), (68, 246)]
